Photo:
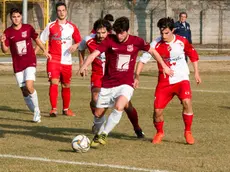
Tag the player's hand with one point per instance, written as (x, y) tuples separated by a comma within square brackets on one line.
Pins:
[(136, 82), (197, 78), (83, 71), (3, 38), (73, 48), (168, 71), (48, 56)]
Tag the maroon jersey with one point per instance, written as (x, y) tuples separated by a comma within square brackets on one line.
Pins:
[(120, 59), (21, 47)]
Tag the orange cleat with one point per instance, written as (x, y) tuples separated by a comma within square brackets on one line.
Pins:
[(189, 138), (53, 113), (157, 138), (68, 113)]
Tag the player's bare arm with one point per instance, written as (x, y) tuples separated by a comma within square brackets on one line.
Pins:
[(196, 72), (3, 45), (158, 58), (73, 48), (139, 68), (81, 55), (41, 45), (82, 71)]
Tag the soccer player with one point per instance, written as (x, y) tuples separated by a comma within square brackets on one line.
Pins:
[(118, 83), (18, 37), (103, 28), (60, 34), (173, 49)]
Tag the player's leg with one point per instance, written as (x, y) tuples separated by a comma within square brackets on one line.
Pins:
[(187, 113), (29, 93), (122, 95), (163, 95), (53, 71), (66, 74), (133, 117), (98, 127)]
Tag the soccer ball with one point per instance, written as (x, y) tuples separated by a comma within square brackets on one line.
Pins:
[(81, 143)]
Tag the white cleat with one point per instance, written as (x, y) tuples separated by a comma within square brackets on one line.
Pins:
[(37, 116)]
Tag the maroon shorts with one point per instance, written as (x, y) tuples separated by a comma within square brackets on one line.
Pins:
[(165, 92), (60, 71)]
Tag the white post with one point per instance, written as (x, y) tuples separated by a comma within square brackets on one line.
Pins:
[(24, 11)]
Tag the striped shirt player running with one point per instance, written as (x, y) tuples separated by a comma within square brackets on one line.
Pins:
[(102, 28), (18, 37), (60, 34), (118, 82), (173, 49)]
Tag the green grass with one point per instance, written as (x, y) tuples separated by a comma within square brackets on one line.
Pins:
[(52, 137)]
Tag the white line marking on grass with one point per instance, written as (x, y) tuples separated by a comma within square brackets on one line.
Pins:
[(78, 163)]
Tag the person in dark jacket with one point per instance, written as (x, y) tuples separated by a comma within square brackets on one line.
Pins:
[(182, 28)]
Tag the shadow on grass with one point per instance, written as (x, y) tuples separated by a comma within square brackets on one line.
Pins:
[(9, 109), (225, 107), (54, 134)]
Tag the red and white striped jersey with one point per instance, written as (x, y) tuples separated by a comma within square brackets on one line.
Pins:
[(61, 37), (173, 54)]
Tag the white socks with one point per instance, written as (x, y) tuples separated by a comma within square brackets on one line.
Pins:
[(32, 101), (112, 121)]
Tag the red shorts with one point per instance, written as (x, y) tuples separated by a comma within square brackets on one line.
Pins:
[(165, 92), (96, 80), (60, 71)]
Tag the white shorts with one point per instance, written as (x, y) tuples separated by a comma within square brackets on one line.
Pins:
[(107, 96), (26, 74)]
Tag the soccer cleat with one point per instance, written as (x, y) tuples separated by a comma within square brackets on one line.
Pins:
[(102, 138), (37, 116), (157, 138), (68, 112), (95, 143), (140, 133), (53, 113), (189, 138)]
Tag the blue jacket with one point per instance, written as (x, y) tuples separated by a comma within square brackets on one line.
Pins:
[(183, 31)]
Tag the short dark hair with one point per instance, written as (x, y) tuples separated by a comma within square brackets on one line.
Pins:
[(109, 17), (121, 25), (60, 4), (183, 13), (166, 22), (15, 10), (100, 23)]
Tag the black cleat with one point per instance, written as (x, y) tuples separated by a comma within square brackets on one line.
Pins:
[(140, 133)]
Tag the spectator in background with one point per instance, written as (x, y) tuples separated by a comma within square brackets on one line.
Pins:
[(182, 28)]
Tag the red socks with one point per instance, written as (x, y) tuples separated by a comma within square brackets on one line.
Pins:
[(66, 98), (132, 115), (159, 126), (53, 95), (187, 121)]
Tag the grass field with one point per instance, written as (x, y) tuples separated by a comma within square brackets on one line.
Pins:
[(25, 146)]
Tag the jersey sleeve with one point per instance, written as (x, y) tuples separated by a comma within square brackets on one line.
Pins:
[(45, 34), (76, 35), (142, 44), (190, 51), (146, 56), (34, 34)]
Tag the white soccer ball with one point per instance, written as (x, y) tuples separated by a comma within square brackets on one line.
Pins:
[(81, 143)]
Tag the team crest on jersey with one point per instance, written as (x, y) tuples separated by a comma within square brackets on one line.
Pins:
[(24, 34), (130, 48)]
